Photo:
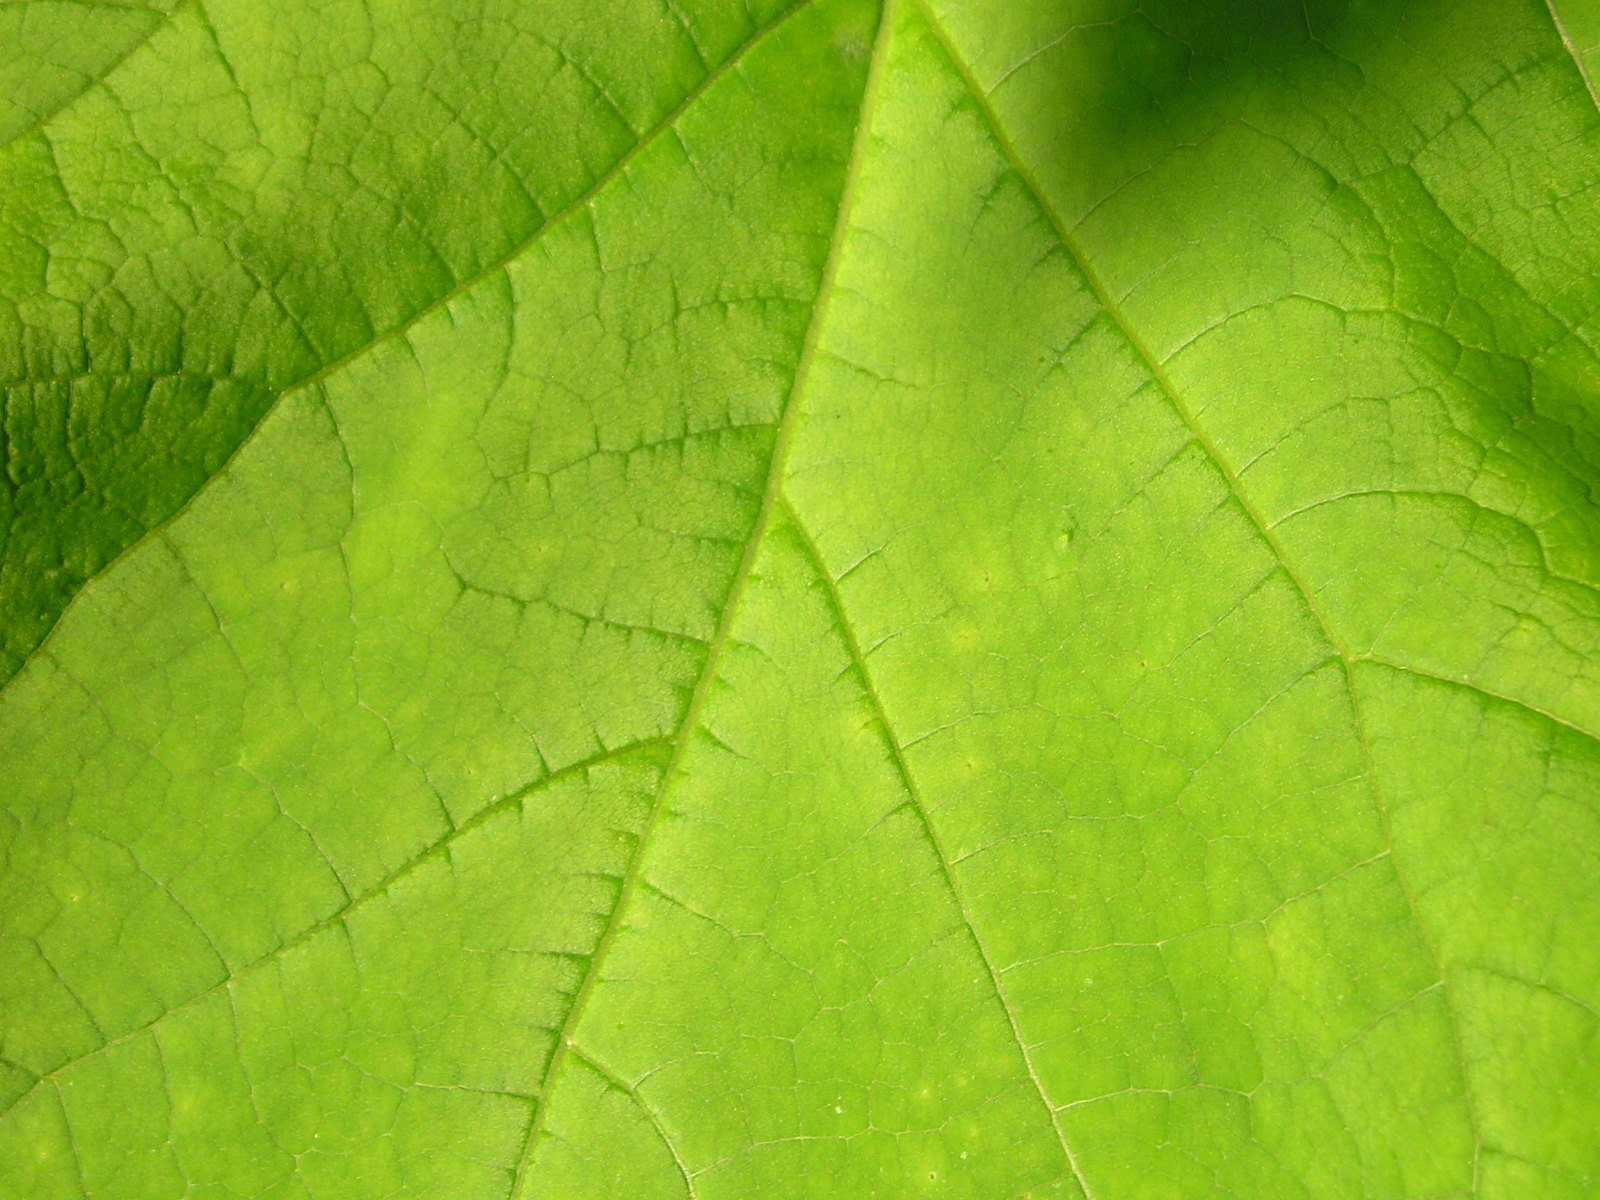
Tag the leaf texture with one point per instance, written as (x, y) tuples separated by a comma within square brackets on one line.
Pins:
[(699, 600)]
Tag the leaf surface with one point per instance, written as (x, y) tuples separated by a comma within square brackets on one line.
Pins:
[(693, 600)]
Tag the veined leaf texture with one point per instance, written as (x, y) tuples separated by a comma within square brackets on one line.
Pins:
[(711, 599)]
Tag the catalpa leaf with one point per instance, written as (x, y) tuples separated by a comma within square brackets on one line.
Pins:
[(692, 599)]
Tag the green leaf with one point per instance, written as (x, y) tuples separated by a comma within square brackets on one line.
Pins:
[(690, 599)]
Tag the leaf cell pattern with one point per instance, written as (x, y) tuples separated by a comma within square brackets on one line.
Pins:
[(701, 600)]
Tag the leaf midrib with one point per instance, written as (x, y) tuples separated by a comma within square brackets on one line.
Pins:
[(771, 499)]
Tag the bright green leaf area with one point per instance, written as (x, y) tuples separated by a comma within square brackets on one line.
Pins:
[(692, 599)]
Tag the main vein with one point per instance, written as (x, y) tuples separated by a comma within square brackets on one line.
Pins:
[(1263, 528), (770, 499)]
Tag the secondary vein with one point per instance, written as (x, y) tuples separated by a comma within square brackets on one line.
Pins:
[(345, 911), (1572, 49), (100, 76), (1263, 528), (914, 796), (559, 218), (616, 1084), (1480, 690)]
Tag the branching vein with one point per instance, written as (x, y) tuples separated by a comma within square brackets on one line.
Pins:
[(770, 499), (1263, 528), (346, 911), (914, 795), (555, 221)]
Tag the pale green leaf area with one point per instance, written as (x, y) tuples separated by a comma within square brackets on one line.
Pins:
[(692, 600)]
